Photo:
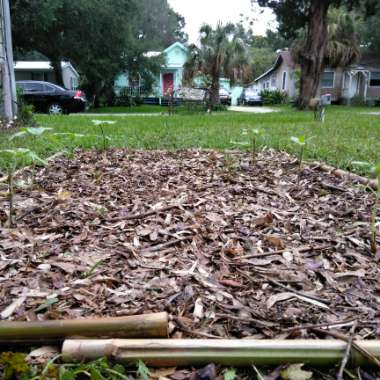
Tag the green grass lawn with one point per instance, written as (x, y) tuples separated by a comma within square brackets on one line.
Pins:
[(347, 135), (144, 108)]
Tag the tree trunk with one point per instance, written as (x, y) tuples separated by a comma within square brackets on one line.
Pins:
[(56, 63), (214, 92), (312, 59)]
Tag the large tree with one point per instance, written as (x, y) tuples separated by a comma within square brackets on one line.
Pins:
[(342, 48), (159, 25), (221, 53), (369, 32), (312, 15), (101, 37)]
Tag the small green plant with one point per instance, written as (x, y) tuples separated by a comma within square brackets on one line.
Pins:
[(35, 133), (96, 370), (11, 158), (91, 271), (30, 131), (231, 164), (230, 375), (25, 114), (142, 371), (14, 366), (256, 134), (301, 142), (375, 169), (101, 124)]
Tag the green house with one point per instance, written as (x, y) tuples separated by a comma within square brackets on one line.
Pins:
[(170, 76)]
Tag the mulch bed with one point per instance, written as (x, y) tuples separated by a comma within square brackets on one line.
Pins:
[(230, 248)]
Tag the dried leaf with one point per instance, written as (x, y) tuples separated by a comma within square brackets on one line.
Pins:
[(275, 241), (295, 372)]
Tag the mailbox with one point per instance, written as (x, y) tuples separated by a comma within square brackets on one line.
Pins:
[(326, 100)]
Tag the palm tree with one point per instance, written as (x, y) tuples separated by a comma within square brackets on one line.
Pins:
[(343, 43), (221, 54)]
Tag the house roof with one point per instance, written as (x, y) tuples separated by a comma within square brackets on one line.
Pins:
[(283, 56), (41, 66), (368, 60), (173, 46)]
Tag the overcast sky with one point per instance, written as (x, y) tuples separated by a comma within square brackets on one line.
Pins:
[(198, 12)]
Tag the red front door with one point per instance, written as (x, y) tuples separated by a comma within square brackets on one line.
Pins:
[(168, 81)]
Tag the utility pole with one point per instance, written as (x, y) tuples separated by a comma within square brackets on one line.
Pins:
[(9, 98)]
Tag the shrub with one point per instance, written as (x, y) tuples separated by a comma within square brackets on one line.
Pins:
[(124, 98), (25, 112), (273, 96), (357, 100), (192, 107), (219, 107)]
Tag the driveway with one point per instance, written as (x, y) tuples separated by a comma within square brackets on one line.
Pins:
[(252, 109)]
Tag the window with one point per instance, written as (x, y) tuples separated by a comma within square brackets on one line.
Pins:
[(327, 80), (375, 79), (34, 87), (48, 88), (284, 80), (273, 81)]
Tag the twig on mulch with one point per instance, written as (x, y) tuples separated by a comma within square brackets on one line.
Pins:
[(357, 346), (281, 251), (142, 215), (346, 323), (347, 353), (159, 247), (288, 288)]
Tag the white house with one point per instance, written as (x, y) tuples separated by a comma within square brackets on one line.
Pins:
[(43, 71), (361, 79)]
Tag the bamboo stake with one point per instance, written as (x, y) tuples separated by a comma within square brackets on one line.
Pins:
[(343, 173), (136, 326), (178, 352)]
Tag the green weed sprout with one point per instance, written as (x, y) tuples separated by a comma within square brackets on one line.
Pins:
[(244, 132), (11, 158), (30, 131), (256, 134), (301, 142), (101, 124), (35, 133), (230, 375), (96, 370), (143, 372), (374, 169)]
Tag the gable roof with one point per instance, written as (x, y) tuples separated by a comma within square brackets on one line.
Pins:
[(283, 56), (175, 45), (368, 60), (41, 66)]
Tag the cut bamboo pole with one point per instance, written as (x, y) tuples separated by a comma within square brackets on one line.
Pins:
[(343, 173), (136, 326), (178, 352)]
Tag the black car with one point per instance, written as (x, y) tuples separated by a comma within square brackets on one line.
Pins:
[(50, 98)]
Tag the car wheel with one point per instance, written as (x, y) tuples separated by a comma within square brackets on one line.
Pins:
[(55, 109)]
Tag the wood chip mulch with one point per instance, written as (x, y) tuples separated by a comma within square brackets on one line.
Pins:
[(230, 248)]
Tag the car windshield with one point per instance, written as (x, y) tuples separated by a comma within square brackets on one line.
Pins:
[(251, 92)]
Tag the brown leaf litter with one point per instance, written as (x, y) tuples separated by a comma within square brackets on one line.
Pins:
[(230, 248)]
